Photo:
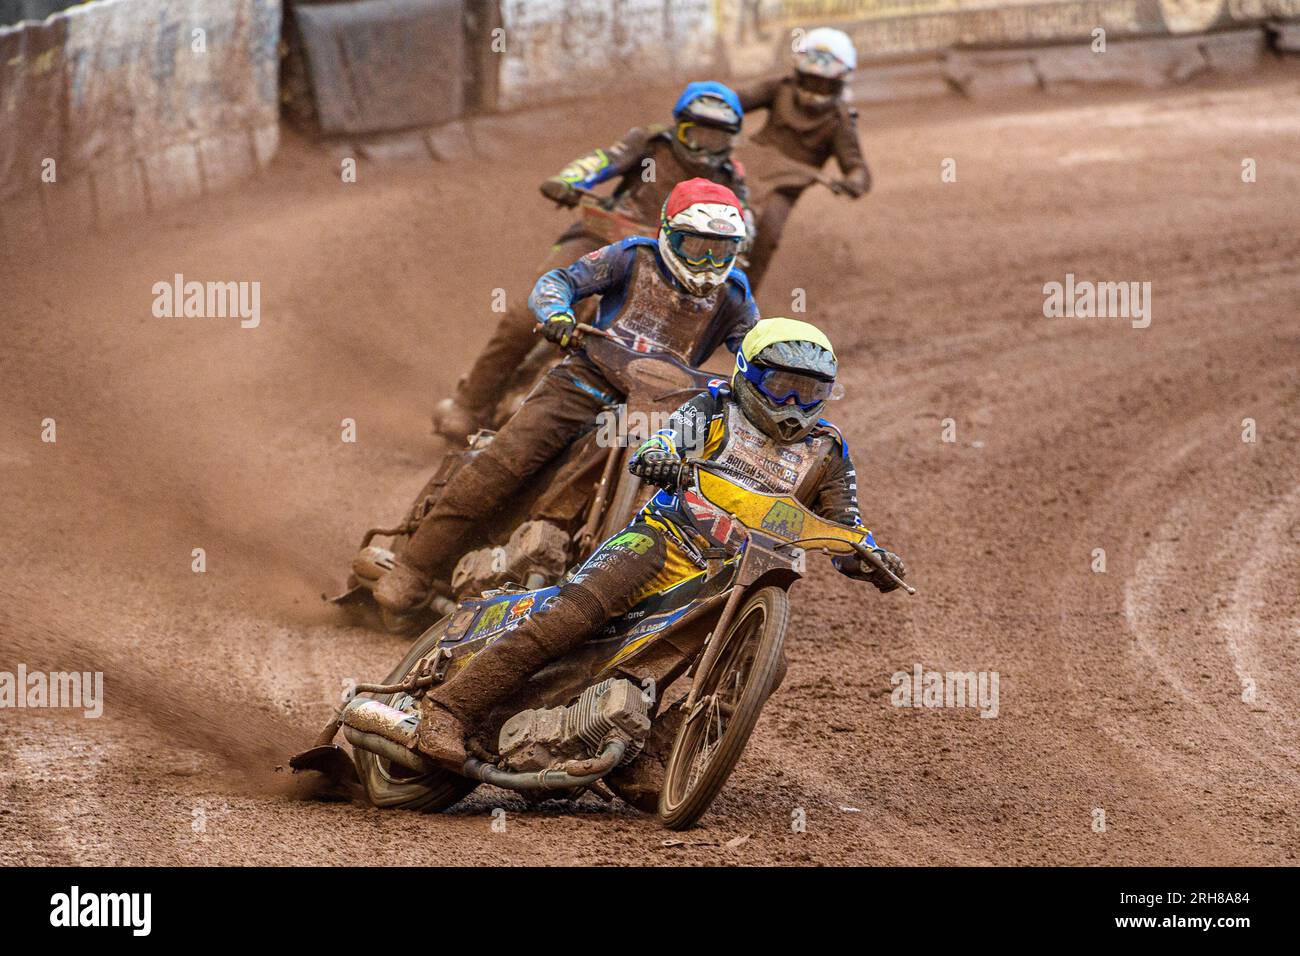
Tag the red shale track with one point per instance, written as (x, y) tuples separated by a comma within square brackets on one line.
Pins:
[(1120, 691)]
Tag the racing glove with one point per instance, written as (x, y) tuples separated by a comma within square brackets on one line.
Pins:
[(856, 567), (661, 468), (559, 329), (560, 192)]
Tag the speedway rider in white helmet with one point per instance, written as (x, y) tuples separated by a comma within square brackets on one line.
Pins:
[(809, 121)]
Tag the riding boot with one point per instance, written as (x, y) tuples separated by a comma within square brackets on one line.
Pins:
[(445, 533), (441, 736), (402, 589), (457, 420)]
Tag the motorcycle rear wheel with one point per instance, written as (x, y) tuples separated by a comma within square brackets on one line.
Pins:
[(728, 700), (389, 786)]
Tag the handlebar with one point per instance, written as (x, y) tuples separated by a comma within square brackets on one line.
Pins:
[(875, 561), (834, 185), (582, 328)]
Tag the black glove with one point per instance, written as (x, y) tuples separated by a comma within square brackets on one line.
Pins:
[(857, 567), (560, 192), (660, 468), (559, 329)]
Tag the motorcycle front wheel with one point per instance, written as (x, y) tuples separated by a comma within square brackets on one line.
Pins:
[(390, 785), (728, 700)]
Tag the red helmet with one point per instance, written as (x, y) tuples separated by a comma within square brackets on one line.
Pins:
[(701, 231)]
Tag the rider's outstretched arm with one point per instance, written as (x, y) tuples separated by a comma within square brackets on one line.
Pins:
[(848, 153), (599, 165), (557, 291), (759, 95), (686, 435), (688, 429), (837, 500)]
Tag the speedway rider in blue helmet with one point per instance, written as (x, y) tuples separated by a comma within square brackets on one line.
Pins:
[(645, 165)]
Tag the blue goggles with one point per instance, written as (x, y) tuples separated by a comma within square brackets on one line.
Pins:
[(779, 385), (703, 252)]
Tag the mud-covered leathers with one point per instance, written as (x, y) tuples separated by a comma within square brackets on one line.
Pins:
[(640, 303), (647, 165), (659, 548), (807, 136)]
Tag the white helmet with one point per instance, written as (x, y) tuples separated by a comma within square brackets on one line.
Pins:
[(700, 234), (823, 63)]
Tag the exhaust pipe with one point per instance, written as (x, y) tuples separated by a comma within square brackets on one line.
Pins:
[(372, 717), (391, 733), (382, 747), (386, 732), (610, 756)]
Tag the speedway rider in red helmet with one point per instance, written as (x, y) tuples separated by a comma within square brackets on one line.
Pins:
[(679, 294)]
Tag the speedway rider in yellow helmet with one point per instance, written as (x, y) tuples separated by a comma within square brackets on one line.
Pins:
[(767, 429)]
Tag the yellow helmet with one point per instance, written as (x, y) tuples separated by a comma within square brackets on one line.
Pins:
[(785, 373)]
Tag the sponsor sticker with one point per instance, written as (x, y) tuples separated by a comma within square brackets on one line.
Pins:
[(491, 619), (784, 521), (633, 541)]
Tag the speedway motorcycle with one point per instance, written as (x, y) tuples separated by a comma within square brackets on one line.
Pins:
[(595, 717), (567, 510)]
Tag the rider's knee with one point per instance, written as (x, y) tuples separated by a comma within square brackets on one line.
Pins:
[(584, 605)]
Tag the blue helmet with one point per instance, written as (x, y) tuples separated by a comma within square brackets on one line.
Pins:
[(709, 103)]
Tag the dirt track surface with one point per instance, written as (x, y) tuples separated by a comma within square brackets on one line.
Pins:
[(1120, 691)]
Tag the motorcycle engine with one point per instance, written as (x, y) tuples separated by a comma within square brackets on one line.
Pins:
[(535, 740), (536, 554)]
